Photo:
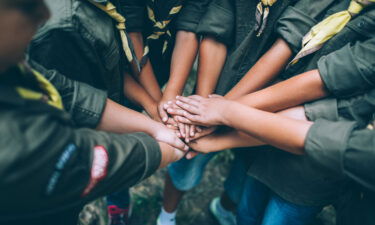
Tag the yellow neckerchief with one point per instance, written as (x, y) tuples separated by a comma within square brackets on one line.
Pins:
[(159, 29), (261, 15), (127, 46), (328, 28), (53, 98)]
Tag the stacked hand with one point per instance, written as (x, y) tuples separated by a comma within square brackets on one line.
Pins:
[(196, 117)]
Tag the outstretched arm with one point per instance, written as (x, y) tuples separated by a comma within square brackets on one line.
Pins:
[(138, 95), (147, 77), (119, 119), (277, 130), (264, 71), (303, 88), (183, 57), (212, 56)]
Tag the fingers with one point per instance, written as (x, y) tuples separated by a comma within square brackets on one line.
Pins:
[(196, 97), (192, 130), (179, 144), (187, 107), (182, 119), (193, 101), (181, 128), (176, 111), (194, 119), (204, 132), (172, 122), (172, 127), (191, 154), (187, 133), (162, 113)]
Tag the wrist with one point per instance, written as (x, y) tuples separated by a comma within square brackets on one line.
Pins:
[(227, 113), (153, 128), (171, 93)]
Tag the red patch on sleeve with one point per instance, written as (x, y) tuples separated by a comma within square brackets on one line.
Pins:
[(98, 168)]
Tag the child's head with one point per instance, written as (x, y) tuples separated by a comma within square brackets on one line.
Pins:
[(19, 20)]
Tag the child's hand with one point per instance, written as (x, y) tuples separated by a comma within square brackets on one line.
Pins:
[(202, 111), (163, 134), (203, 131), (152, 111), (169, 154), (206, 144), (186, 131)]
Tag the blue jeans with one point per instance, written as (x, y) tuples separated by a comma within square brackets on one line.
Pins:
[(186, 174), (260, 206)]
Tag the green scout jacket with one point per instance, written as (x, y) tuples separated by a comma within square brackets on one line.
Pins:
[(50, 162), (346, 68), (246, 47), (83, 43)]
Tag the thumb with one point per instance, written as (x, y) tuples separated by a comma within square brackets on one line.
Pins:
[(162, 113)]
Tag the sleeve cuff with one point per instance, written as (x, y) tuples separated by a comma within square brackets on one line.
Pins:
[(152, 154), (189, 18), (293, 26), (343, 74), (87, 109), (221, 28), (326, 142)]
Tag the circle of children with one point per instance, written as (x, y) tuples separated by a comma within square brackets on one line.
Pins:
[(288, 85)]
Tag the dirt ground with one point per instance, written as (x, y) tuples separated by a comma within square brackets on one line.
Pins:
[(147, 196)]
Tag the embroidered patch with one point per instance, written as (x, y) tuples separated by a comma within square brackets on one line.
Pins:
[(98, 168), (59, 167)]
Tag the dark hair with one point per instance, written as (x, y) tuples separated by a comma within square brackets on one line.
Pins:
[(26, 6), (31, 8)]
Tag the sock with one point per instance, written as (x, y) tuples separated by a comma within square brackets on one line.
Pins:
[(167, 218)]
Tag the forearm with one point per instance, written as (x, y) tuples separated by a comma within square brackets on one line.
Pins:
[(183, 57), (212, 56), (137, 94), (264, 71), (292, 92), (119, 119), (236, 139), (279, 131), (147, 77)]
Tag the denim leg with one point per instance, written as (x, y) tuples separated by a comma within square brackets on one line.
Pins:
[(254, 200), (234, 184), (281, 212), (186, 174)]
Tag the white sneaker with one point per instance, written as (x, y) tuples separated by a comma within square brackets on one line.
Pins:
[(223, 217), (171, 222)]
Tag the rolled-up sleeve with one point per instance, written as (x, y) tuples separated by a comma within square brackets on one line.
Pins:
[(84, 103), (297, 20), (350, 70), (345, 148), (191, 14), (218, 21)]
